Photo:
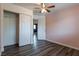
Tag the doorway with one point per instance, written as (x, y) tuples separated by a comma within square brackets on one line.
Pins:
[(35, 29), (10, 29)]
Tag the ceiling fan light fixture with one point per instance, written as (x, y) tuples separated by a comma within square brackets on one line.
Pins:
[(43, 11)]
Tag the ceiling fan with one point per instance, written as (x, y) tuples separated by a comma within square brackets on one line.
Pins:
[(44, 8)]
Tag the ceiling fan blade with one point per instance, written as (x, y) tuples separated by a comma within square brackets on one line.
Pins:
[(43, 5), (48, 10), (51, 6), (39, 11)]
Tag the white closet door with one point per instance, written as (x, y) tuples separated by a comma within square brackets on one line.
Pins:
[(25, 29), (9, 24)]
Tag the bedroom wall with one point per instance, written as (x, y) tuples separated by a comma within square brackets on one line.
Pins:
[(62, 27)]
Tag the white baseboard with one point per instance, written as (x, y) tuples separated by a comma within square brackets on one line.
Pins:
[(64, 44)]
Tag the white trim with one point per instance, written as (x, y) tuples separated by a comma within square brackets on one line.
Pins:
[(63, 44)]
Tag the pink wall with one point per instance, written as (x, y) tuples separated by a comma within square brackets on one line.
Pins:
[(63, 26)]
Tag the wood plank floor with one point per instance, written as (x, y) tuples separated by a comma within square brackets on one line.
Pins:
[(41, 48)]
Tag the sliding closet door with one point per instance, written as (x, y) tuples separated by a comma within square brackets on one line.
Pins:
[(9, 24), (25, 27)]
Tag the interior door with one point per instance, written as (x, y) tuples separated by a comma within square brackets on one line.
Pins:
[(9, 28), (25, 26)]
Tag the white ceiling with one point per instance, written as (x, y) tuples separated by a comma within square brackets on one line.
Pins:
[(58, 6)]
